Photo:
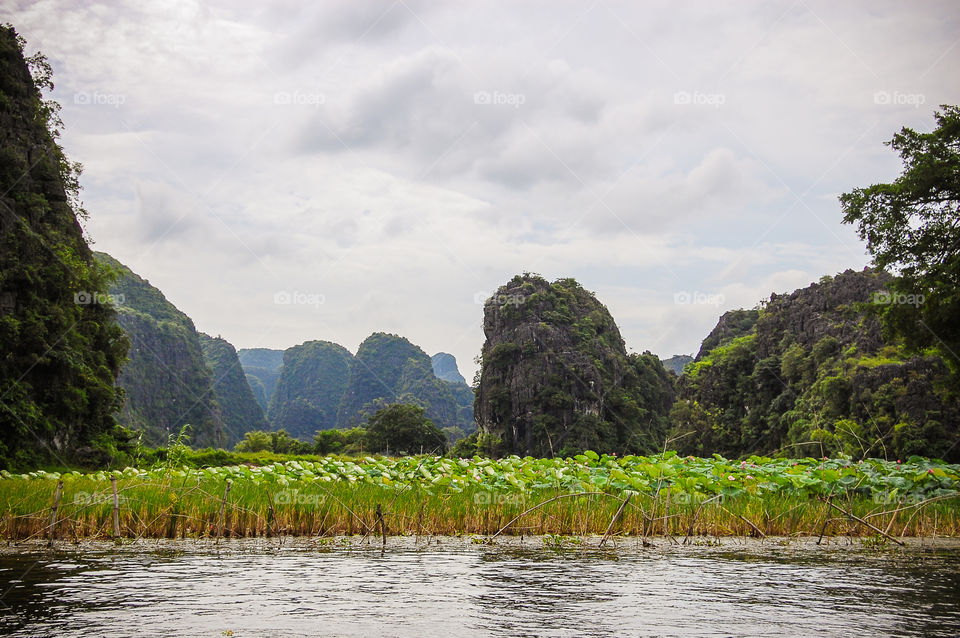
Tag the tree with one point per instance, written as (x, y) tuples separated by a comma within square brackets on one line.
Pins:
[(278, 442), (349, 441), (912, 225), (403, 428)]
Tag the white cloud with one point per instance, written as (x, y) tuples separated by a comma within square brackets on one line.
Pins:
[(346, 150)]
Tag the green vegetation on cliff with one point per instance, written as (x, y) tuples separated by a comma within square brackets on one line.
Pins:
[(812, 373), (166, 381), (389, 369), (312, 382), (239, 411), (62, 348), (556, 379)]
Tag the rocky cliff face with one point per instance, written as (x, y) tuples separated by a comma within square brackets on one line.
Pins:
[(312, 382), (239, 411), (556, 378), (390, 369), (812, 374), (61, 346), (166, 381)]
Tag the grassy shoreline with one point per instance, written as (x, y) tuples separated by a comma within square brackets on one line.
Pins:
[(662, 495)]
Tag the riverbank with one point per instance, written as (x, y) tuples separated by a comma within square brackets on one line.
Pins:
[(834, 547)]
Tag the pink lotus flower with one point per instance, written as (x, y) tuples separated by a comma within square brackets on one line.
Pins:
[(731, 478)]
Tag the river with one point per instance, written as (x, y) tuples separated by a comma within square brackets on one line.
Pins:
[(446, 587)]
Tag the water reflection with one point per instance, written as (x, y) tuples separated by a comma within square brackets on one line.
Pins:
[(478, 592)]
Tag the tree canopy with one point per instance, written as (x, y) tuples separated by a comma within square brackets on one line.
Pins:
[(912, 226)]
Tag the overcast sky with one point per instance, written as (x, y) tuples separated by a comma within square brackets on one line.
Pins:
[(290, 171)]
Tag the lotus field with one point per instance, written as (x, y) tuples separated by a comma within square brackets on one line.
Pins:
[(430, 495)]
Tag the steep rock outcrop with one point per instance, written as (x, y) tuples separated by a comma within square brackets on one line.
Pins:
[(239, 411), (556, 378), (389, 369), (313, 379), (813, 374), (445, 368)]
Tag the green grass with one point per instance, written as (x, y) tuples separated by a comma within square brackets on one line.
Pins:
[(435, 495)]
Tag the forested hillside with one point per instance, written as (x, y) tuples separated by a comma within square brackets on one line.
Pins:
[(811, 373), (239, 411), (166, 381), (312, 381), (389, 369)]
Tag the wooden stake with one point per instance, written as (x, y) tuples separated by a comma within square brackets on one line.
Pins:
[(383, 529), (223, 509), (271, 514), (53, 513), (116, 508)]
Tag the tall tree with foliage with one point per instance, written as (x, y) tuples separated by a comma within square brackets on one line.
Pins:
[(912, 225), (61, 346), (403, 428)]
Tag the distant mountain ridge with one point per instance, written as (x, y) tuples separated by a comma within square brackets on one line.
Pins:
[(445, 367), (676, 363), (262, 368)]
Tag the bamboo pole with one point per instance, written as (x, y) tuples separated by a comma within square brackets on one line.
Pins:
[(271, 514)]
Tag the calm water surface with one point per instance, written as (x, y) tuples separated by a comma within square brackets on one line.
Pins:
[(456, 588)]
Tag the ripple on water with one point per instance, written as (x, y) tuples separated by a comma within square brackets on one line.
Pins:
[(477, 593)]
